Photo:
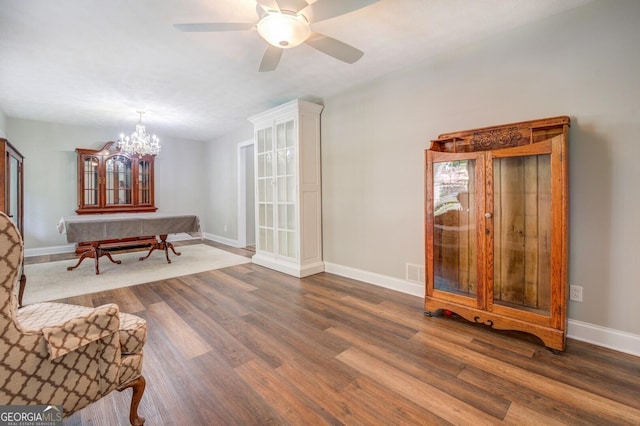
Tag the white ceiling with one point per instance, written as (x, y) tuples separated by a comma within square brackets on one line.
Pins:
[(96, 62)]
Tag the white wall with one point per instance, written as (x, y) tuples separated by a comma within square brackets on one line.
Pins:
[(221, 157), (583, 63), (50, 175), (3, 125)]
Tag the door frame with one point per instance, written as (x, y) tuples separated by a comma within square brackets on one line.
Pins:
[(242, 191)]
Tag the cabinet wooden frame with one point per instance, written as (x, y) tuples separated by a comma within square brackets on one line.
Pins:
[(12, 193), (540, 141), (12, 183), (99, 203)]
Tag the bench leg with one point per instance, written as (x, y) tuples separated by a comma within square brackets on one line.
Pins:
[(96, 253), (163, 244)]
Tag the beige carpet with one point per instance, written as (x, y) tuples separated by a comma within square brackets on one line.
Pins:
[(50, 281)]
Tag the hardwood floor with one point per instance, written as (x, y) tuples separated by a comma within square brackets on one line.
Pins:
[(248, 346)]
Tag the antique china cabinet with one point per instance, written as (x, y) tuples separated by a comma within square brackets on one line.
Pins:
[(496, 227), (288, 206), (113, 181), (12, 193), (11, 182)]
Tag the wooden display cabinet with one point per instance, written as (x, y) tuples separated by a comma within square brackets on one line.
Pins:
[(496, 227), (12, 193), (112, 181)]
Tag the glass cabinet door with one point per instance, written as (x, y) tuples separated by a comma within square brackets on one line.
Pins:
[(90, 182), (14, 182), (522, 232), (455, 243), (286, 189), (264, 189), (144, 182), (118, 180)]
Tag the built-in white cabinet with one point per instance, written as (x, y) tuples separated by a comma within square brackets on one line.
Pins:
[(288, 197)]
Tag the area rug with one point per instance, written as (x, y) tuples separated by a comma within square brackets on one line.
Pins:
[(51, 280)]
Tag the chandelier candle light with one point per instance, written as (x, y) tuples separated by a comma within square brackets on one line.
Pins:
[(140, 142)]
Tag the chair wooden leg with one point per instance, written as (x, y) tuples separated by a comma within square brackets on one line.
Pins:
[(138, 386)]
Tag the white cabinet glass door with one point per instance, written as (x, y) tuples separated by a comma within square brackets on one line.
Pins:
[(286, 189), (265, 184)]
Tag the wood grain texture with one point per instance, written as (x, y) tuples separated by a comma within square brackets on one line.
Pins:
[(331, 350)]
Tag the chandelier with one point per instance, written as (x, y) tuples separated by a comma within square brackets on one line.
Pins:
[(140, 142)]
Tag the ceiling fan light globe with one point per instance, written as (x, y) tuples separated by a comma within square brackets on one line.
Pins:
[(283, 30)]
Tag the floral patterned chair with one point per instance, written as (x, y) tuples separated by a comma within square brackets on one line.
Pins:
[(59, 354)]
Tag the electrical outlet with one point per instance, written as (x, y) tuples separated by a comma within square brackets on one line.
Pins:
[(575, 293)]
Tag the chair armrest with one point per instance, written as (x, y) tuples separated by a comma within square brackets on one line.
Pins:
[(79, 331)]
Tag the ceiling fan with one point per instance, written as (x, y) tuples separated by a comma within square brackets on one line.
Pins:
[(285, 24)]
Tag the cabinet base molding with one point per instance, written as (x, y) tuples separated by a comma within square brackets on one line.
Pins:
[(552, 338), (288, 268)]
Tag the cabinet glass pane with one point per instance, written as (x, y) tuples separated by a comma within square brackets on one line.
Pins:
[(265, 240), (268, 191), (260, 164), (287, 217), (282, 189), (522, 232), (90, 178), (290, 161), (118, 180), (281, 136), (144, 182), (265, 190), (282, 162), (286, 243), (268, 139), (14, 191), (265, 215), (260, 141), (454, 233), (268, 161)]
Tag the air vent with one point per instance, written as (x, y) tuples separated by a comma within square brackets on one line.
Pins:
[(415, 273)]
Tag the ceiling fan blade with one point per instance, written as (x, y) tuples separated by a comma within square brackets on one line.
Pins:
[(270, 59), (325, 9), (214, 26), (292, 5), (335, 48), (269, 5)]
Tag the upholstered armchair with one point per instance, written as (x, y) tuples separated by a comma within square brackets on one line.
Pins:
[(59, 354)]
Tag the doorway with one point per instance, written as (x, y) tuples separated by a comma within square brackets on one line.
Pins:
[(246, 196)]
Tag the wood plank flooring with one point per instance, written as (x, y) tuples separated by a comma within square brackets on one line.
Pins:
[(248, 346)]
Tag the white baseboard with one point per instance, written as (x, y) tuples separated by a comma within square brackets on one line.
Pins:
[(617, 340), (601, 336), (222, 240), (288, 267), (376, 279), (43, 251)]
